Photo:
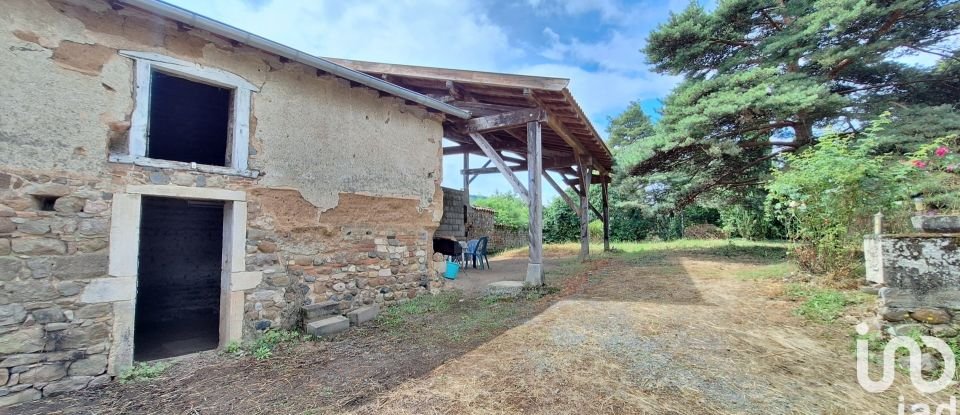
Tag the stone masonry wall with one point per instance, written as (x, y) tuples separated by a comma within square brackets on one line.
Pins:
[(51, 342), (921, 283), (505, 237), (480, 222)]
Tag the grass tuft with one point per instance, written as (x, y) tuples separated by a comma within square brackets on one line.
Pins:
[(822, 304), (394, 317), (143, 371), (775, 271)]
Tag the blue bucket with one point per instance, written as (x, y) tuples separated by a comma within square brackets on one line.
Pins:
[(452, 269)]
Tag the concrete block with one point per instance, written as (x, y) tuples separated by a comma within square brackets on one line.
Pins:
[(363, 314), (246, 280), (320, 310), (108, 290), (328, 326), (505, 288)]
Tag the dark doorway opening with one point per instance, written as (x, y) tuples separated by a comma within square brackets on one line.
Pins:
[(189, 121), (178, 281)]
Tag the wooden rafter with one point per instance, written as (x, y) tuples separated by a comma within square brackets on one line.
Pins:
[(491, 154), (504, 120)]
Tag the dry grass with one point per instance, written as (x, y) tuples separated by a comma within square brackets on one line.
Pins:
[(699, 327), (653, 333)]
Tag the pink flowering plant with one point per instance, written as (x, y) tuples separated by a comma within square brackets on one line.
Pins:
[(937, 174)]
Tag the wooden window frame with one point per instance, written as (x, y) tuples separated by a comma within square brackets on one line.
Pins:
[(238, 142)]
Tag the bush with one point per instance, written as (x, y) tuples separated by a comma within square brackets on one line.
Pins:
[(509, 209), (827, 196), (704, 231)]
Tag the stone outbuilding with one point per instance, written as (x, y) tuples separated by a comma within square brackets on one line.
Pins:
[(170, 184)]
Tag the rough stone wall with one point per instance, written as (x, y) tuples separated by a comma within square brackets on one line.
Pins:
[(344, 208), (50, 341), (480, 222), (505, 237), (921, 278)]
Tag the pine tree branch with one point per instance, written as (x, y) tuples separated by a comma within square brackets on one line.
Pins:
[(932, 52), (774, 23), (878, 86), (731, 42)]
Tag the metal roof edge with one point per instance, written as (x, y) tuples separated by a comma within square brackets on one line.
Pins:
[(167, 10)]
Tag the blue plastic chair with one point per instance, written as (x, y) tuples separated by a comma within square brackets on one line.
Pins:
[(477, 249)]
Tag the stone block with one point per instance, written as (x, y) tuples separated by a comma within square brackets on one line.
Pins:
[(70, 384), (34, 227), (79, 337), (68, 205), (10, 268), (49, 315), (907, 298), (7, 226), (320, 310), (48, 189), (44, 373), (363, 314), (94, 227), (4, 376), (25, 395), (5, 247), (93, 311), (931, 316), (246, 280), (328, 326), (106, 290), (38, 246), (505, 288), (29, 290), (894, 314), (96, 206), (91, 366), (80, 266), (12, 314), (69, 288), (21, 359)]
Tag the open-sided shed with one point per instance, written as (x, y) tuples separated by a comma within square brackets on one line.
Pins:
[(519, 123)]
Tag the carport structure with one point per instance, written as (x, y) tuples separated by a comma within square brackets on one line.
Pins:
[(519, 123)]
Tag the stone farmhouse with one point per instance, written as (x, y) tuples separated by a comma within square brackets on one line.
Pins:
[(169, 184)]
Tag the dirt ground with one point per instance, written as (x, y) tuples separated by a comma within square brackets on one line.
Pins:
[(658, 332)]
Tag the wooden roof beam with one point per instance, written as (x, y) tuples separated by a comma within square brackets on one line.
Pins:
[(561, 130), (504, 120)]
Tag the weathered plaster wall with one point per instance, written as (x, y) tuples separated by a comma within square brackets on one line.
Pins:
[(921, 277), (66, 90), (344, 209)]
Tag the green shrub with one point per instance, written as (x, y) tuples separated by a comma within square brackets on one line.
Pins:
[(142, 371), (827, 196)]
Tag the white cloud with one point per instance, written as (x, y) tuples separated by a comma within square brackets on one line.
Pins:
[(605, 75), (431, 33)]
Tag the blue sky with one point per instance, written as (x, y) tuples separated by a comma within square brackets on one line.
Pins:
[(594, 43)]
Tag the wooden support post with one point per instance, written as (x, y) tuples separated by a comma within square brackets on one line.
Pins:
[(606, 215), (466, 180), (585, 176), (535, 173), (501, 165)]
